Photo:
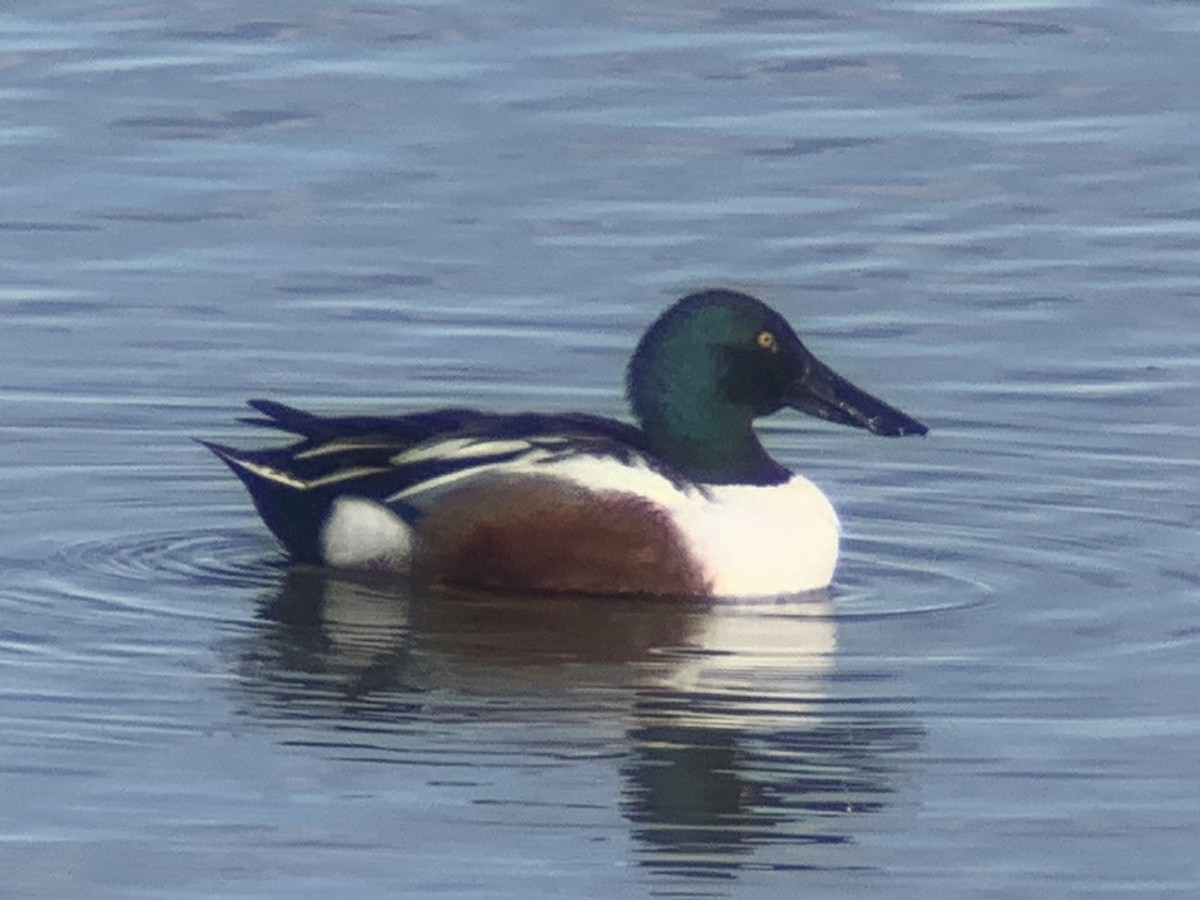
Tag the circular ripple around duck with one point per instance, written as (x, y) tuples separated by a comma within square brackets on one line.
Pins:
[(236, 558), (866, 586), (871, 588)]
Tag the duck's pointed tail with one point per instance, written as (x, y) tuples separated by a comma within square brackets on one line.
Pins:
[(287, 506)]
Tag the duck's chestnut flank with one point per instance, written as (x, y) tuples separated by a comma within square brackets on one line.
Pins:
[(552, 536)]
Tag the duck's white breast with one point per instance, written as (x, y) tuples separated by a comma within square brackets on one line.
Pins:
[(762, 541)]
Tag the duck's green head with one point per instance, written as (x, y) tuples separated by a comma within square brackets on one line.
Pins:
[(715, 361)]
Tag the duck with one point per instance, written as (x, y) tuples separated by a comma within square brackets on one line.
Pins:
[(683, 502)]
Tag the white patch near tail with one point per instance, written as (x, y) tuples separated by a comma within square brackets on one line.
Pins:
[(364, 535)]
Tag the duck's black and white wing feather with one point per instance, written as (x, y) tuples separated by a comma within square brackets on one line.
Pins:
[(402, 461)]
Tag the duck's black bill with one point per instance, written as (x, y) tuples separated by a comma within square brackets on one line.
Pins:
[(823, 393)]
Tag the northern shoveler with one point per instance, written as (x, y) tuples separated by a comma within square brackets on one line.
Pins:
[(685, 503)]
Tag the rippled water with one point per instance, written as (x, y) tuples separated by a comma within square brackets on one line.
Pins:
[(986, 212)]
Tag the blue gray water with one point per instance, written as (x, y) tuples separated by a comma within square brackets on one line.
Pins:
[(988, 213)]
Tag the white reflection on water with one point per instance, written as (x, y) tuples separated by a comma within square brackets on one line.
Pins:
[(726, 727)]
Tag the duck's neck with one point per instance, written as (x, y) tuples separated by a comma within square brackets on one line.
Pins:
[(700, 432), (712, 451)]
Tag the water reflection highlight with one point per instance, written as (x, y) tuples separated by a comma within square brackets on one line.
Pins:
[(728, 728)]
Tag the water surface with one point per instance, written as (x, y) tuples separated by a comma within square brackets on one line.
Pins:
[(985, 212)]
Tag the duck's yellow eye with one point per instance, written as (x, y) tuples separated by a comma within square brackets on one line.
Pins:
[(767, 341)]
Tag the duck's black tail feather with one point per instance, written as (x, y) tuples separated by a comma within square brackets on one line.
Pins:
[(282, 417), (404, 430), (292, 511)]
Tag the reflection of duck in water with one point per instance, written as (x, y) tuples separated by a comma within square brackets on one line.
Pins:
[(755, 750), (724, 724), (687, 504)]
